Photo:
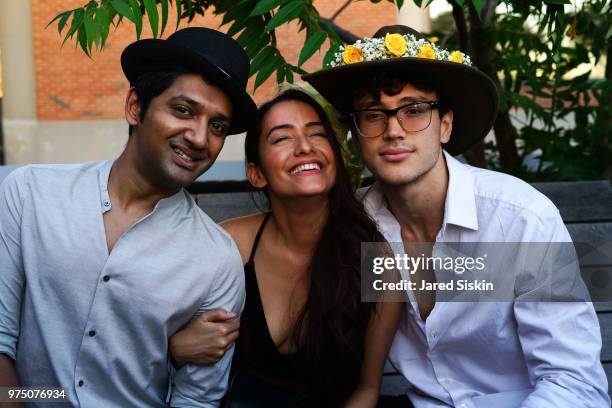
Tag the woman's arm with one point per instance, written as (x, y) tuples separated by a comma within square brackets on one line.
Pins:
[(379, 337), (205, 339)]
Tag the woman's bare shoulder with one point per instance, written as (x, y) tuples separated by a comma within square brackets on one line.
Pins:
[(243, 230)]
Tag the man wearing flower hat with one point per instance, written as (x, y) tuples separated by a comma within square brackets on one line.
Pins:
[(412, 106), (101, 262)]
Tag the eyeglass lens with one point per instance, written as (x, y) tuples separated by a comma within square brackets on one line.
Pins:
[(412, 118)]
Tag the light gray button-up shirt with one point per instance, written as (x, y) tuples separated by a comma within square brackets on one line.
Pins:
[(73, 316)]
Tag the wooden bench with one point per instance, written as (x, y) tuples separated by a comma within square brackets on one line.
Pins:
[(586, 208)]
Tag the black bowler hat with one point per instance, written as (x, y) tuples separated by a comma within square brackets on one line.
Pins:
[(218, 57), (470, 93)]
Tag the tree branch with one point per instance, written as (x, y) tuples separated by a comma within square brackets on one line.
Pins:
[(340, 10), (461, 26), (345, 35)]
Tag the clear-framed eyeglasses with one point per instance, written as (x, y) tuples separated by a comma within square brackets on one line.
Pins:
[(412, 117)]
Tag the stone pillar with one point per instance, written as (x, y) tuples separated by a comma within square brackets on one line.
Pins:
[(18, 80)]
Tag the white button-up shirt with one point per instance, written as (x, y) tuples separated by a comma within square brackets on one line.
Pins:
[(496, 354)]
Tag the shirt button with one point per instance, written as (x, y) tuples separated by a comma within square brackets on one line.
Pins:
[(106, 278), (81, 382), (92, 333)]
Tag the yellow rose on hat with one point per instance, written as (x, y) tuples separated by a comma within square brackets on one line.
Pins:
[(352, 54), (426, 51), (395, 44), (456, 56)]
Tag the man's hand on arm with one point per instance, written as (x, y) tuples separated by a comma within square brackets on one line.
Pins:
[(205, 339)]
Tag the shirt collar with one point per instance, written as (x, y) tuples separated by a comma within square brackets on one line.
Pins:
[(459, 206), (103, 174), (105, 202)]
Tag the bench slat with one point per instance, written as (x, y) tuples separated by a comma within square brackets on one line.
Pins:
[(599, 282), (580, 201), (394, 384), (571, 202), (605, 321), (592, 233), (221, 206), (608, 369)]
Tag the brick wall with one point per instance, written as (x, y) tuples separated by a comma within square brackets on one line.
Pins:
[(71, 86)]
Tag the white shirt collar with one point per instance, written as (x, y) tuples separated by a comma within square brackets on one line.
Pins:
[(459, 207)]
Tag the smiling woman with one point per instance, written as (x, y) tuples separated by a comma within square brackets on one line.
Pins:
[(304, 331)]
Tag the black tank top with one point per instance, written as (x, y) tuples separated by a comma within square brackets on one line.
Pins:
[(255, 352)]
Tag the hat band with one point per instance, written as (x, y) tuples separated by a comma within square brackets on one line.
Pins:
[(395, 46)]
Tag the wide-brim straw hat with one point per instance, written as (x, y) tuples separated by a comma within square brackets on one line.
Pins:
[(469, 93)]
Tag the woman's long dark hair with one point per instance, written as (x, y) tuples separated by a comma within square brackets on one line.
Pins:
[(330, 330)]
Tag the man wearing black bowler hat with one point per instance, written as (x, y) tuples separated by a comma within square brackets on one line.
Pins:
[(101, 262)]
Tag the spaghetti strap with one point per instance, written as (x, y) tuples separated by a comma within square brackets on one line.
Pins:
[(258, 236)]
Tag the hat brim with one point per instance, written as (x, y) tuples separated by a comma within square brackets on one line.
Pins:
[(470, 94), (137, 56)]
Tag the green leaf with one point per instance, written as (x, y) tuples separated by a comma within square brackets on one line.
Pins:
[(153, 15), (478, 7), (179, 11), (312, 44), (239, 14), (280, 76), (460, 2), (331, 53), (62, 22), (90, 30), (235, 28), (189, 10), (82, 39), (63, 16), (265, 6), (418, 3), (295, 68), (260, 59), (267, 70), (77, 19), (248, 35), (164, 9), (123, 9), (254, 47), (137, 17), (286, 13)]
